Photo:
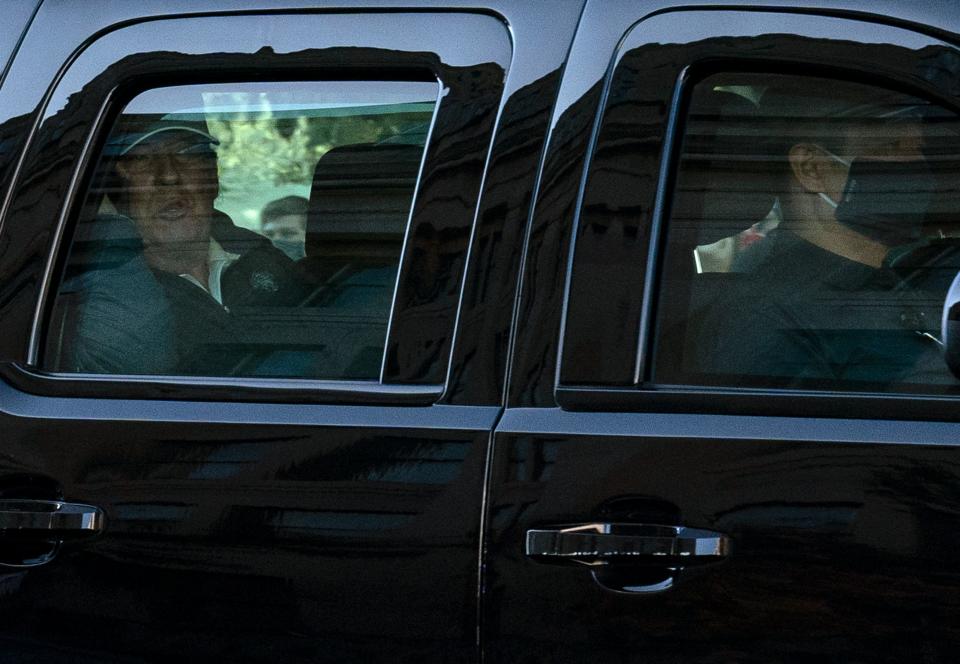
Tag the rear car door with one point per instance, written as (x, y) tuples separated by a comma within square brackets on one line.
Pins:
[(651, 499), (319, 499)]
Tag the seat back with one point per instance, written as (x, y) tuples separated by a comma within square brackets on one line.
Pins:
[(359, 204), (726, 188)]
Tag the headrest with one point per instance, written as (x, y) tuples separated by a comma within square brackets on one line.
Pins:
[(727, 179), (361, 194)]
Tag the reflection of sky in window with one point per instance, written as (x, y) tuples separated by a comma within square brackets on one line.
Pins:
[(734, 24), (255, 98)]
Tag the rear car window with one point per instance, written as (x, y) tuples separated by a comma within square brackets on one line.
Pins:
[(243, 229), (812, 239)]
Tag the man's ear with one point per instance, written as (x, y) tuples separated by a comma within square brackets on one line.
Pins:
[(122, 169), (809, 167)]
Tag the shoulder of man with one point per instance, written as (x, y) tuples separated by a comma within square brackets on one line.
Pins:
[(262, 275)]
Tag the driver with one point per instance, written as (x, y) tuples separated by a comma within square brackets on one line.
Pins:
[(824, 303)]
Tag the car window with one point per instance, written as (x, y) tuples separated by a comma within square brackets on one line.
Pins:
[(243, 229), (813, 235)]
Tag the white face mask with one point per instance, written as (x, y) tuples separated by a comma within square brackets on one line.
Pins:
[(832, 203), (885, 200)]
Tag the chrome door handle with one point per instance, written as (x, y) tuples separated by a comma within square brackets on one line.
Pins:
[(597, 544), (49, 520)]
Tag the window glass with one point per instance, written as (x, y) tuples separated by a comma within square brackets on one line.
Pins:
[(247, 229), (814, 233)]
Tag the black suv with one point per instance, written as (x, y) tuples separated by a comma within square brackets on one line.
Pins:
[(455, 331)]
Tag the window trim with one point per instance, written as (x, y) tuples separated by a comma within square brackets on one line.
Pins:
[(760, 402), (339, 391), (646, 396), (432, 62), (112, 107), (193, 388)]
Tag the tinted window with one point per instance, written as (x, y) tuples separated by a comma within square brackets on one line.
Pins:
[(813, 236), (244, 230)]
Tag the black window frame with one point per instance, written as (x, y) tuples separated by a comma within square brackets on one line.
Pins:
[(717, 52), (65, 141)]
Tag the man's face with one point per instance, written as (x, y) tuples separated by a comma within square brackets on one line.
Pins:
[(285, 228), (171, 186), (893, 142)]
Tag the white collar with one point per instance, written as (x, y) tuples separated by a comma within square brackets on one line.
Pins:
[(218, 260)]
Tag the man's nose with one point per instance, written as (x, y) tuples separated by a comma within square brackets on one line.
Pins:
[(166, 170)]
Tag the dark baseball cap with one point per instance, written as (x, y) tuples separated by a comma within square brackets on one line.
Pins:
[(125, 143)]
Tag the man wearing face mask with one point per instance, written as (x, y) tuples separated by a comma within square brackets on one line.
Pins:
[(826, 304), (284, 222)]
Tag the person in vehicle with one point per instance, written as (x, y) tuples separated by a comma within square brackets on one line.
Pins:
[(284, 222), (828, 301), (205, 270)]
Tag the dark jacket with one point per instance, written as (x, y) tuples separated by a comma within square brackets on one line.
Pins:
[(120, 317), (806, 317)]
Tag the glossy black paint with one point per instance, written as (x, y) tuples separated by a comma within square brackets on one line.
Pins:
[(256, 521), (106, 74), (266, 520), (628, 193), (577, 113), (843, 528), (627, 196), (844, 544), (253, 531)]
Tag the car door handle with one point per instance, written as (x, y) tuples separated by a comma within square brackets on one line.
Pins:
[(597, 544), (49, 520)]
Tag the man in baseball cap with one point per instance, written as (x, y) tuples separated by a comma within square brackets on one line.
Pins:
[(166, 182), (169, 185)]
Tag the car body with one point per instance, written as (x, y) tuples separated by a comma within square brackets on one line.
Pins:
[(266, 519)]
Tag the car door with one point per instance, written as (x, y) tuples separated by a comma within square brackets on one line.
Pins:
[(281, 510), (645, 508)]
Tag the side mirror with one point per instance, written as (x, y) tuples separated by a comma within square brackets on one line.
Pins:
[(950, 327)]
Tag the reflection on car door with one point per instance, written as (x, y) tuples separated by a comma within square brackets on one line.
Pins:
[(838, 508)]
